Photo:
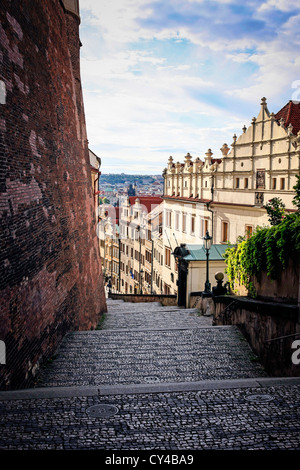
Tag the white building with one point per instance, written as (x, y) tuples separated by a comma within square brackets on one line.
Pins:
[(226, 195)]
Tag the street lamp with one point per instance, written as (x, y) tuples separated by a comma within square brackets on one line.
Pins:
[(207, 245), (138, 229), (141, 281)]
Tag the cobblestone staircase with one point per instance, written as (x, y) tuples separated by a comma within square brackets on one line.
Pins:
[(158, 379), (144, 343)]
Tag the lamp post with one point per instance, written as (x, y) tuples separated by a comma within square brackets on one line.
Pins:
[(141, 281), (138, 229), (111, 260), (207, 245)]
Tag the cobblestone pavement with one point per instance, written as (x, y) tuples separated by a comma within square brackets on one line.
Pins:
[(172, 382), (135, 357), (153, 316)]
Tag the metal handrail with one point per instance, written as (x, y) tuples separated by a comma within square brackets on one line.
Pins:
[(281, 337), (227, 306)]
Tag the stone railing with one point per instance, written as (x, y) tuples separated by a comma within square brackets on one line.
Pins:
[(169, 300), (271, 328)]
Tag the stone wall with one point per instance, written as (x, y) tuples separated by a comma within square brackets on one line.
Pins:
[(51, 279), (285, 289), (270, 328), (206, 305)]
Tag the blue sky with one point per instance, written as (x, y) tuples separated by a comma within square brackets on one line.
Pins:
[(167, 77)]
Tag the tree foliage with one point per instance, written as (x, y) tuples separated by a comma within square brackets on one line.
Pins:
[(268, 249), (276, 210), (296, 199)]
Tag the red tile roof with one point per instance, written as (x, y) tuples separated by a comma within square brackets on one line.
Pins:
[(150, 202), (291, 115)]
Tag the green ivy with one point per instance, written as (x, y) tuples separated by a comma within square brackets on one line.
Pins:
[(268, 249)]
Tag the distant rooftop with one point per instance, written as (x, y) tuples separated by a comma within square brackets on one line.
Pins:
[(291, 115), (198, 253)]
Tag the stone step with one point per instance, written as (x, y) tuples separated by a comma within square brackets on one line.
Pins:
[(152, 315), (111, 357), (164, 319)]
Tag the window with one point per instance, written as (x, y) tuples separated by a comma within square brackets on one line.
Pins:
[(237, 183), (203, 227), (282, 183), (177, 221), (184, 222), (224, 232), (167, 289), (248, 231), (168, 257), (246, 183), (192, 224), (168, 218), (185, 184), (148, 256), (274, 181)]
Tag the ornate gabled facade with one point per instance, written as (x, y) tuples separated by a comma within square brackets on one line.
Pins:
[(261, 164), (226, 195)]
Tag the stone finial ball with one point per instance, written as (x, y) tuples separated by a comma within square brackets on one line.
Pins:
[(219, 276)]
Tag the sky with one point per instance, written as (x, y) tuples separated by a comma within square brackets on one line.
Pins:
[(163, 78)]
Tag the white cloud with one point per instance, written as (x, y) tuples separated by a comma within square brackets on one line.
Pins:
[(283, 5), (143, 103), (117, 19)]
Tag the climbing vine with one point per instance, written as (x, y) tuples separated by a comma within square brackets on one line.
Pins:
[(268, 249)]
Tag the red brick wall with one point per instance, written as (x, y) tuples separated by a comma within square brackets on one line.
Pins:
[(51, 279)]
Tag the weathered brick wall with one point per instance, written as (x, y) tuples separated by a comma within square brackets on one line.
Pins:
[(51, 279)]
